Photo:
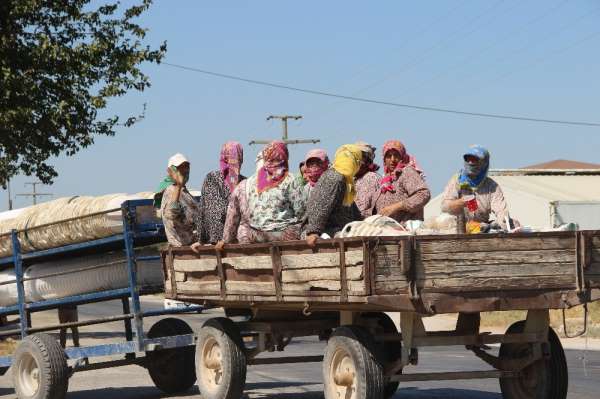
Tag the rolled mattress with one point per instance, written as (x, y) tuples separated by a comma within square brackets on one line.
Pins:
[(112, 275), (59, 233)]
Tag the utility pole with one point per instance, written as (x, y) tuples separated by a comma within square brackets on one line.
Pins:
[(33, 194), (284, 133), (10, 204)]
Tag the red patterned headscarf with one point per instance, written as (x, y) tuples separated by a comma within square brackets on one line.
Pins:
[(275, 166), (312, 174), (405, 160), (230, 163)]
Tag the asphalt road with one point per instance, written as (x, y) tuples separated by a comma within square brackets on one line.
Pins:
[(303, 381)]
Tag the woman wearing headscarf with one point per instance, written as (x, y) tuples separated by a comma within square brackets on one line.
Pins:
[(471, 191), (316, 162), (403, 192), (331, 204), (270, 204), (367, 179), (216, 190)]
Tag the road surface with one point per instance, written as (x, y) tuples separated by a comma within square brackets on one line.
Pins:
[(300, 381)]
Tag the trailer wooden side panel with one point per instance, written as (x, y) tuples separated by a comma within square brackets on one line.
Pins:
[(426, 274)]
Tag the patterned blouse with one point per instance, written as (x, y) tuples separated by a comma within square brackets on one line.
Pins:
[(180, 218), (237, 213), (276, 208), (366, 185), (410, 189), (213, 205), (490, 199), (325, 212)]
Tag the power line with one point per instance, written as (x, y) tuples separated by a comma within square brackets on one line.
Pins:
[(381, 102)]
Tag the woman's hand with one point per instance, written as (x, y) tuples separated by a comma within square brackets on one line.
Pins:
[(220, 245), (196, 247), (393, 209), (311, 240)]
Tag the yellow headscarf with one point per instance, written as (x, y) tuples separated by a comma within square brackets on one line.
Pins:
[(347, 163)]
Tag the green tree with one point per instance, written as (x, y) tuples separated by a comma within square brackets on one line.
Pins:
[(60, 63)]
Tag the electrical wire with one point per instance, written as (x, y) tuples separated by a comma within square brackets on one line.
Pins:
[(381, 102)]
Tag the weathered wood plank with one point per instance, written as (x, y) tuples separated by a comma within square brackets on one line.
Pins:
[(440, 271), (202, 287), (238, 262), (496, 244), (354, 286), (326, 273), (500, 283), (503, 257), (391, 287), (314, 260)]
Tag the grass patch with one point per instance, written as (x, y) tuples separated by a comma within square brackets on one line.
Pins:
[(7, 346), (574, 318)]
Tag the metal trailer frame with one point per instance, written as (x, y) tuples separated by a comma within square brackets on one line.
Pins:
[(133, 234)]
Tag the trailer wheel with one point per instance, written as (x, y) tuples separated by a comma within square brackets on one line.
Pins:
[(40, 368), (390, 351), (220, 360), (546, 378), (351, 369), (171, 370)]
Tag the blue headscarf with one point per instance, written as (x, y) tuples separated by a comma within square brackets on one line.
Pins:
[(480, 171)]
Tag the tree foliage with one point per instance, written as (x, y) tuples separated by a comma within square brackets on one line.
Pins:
[(60, 63)]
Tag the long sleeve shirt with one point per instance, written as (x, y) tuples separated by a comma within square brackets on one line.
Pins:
[(325, 211), (237, 213), (489, 196), (181, 217), (366, 185), (409, 188)]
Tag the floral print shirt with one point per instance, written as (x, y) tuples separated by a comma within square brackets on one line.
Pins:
[(237, 213), (366, 185), (180, 218), (409, 188), (276, 208)]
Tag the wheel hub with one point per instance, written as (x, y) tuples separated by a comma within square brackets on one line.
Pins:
[(212, 363), (343, 374), (29, 374)]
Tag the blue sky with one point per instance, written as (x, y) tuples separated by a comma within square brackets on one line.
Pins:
[(534, 58)]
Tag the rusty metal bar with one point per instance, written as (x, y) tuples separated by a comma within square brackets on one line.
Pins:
[(288, 359), (454, 375)]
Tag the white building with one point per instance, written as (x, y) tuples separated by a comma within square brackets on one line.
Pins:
[(547, 195)]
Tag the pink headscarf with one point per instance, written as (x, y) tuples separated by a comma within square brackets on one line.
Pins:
[(405, 160), (313, 174), (230, 163), (275, 168)]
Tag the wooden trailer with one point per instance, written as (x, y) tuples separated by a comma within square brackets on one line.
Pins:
[(341, 289)]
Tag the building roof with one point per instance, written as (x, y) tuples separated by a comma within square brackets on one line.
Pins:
[(563, 164)]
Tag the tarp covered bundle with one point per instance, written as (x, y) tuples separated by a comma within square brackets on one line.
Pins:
[(54, 234), (100, 272)]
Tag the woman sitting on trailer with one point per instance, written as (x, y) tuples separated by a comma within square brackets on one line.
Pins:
[(367, 179), (316, 162), (216, 191), (403, 193), (180, 211), (331, 204), (471, 191), (269, 205)]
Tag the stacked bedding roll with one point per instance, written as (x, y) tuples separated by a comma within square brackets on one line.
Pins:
[(113, 275)]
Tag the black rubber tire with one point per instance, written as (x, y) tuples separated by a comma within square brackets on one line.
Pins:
[(233, 360), (390, 351), (358, 344), (172, 370), (552, 373), (51, 362)]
